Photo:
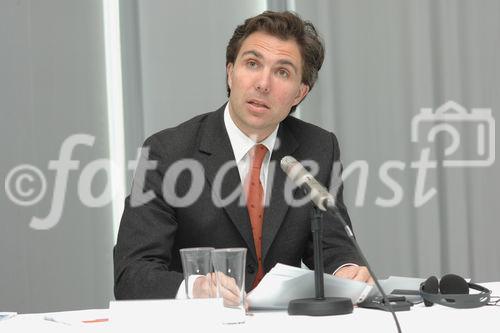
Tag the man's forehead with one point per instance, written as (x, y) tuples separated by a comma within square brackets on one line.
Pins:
[(264, 45)]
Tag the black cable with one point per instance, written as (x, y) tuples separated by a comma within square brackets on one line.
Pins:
[(348, 230)]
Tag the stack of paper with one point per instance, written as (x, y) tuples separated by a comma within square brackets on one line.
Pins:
[(285, 283)]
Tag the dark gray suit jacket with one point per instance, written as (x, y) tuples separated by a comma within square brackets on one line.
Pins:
[(146, 256)]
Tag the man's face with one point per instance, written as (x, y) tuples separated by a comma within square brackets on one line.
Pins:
[(265, 82)]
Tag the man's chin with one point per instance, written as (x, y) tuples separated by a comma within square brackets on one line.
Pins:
[(258, 131)]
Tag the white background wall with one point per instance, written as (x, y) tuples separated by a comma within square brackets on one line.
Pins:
[(52, 85)]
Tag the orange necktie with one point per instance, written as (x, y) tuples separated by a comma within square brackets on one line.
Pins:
[(255, 203)]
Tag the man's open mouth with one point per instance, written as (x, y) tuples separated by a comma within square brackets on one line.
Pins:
[(257, 103)]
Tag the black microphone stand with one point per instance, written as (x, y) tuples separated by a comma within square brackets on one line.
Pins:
[(320, 305)]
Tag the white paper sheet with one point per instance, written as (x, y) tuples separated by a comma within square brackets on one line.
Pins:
[(285, 283)]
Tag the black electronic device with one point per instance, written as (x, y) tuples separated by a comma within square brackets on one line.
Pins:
[(396, 303), (453, 291)]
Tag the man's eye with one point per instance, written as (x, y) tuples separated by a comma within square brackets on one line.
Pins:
[(283, 73), (252, 64)]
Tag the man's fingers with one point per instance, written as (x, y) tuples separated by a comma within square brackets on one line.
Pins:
[(228, 283), (228, 289), (206, 286), (348, 272), (230, 293), (230, 298), (213, 284), (201, 287), (231, 285), (364, 275), (357, 273), (361, 275)]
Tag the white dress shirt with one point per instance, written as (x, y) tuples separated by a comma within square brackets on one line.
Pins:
[(242, 145)]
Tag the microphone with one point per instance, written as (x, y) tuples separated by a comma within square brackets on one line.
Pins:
[(318, 194), (326, 202)]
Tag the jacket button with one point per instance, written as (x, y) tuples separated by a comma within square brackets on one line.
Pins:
[(250, 269)]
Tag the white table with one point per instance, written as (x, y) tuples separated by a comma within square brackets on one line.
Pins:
[(418, 319)]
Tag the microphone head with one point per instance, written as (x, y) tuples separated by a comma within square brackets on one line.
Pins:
[(294, 170), (287, 162), (302, 178)]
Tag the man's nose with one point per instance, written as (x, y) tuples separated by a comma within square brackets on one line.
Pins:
[(263, 82)]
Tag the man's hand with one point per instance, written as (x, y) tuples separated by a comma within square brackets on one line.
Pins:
[(229, 291), (206, 287), (358, 273)]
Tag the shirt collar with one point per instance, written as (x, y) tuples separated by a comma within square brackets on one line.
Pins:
[(240, 142)]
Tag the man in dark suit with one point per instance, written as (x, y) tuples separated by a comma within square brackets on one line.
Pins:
[(272, 63)]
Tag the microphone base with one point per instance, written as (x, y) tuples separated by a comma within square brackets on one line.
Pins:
[(327, 306)]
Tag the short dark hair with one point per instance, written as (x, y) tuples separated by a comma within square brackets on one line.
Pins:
[(284, 25)]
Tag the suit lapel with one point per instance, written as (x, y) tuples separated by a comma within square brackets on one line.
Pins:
[(215, 153), (277, 208)]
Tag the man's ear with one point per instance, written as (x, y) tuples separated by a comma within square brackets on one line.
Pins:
[(229, 72), (301, 94)]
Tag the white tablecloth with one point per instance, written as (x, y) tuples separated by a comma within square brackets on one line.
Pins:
[(419, 319)]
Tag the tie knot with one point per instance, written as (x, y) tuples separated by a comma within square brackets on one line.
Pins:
[(257, 154)]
